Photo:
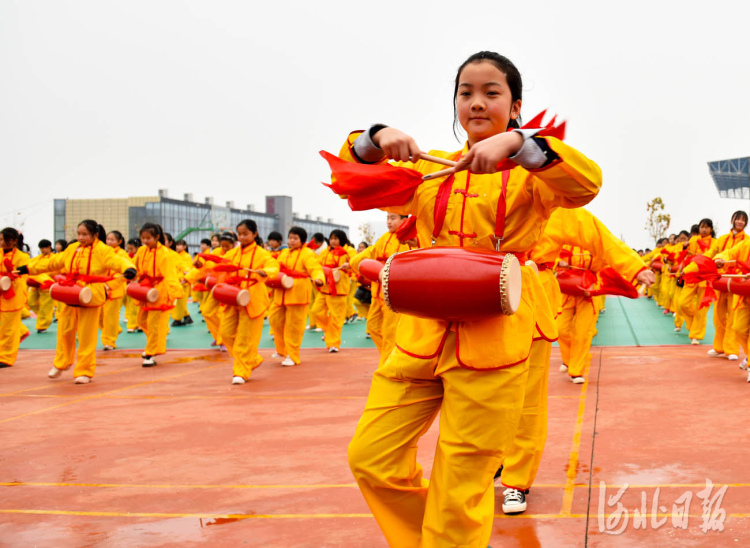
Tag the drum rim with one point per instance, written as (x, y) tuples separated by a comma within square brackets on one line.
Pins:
[(9, 282), (505, 304), (384, 283)]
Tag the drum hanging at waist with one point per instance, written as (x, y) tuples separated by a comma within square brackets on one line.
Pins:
[(143, 293), (282, 281), (73, 295), (231, 295), (370, 269), (733, 286), (5, 283), (452, 283), (576, 283)]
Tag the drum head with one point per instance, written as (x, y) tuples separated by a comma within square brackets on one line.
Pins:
[(533, 266), (84, 297), (511, 284), (243, 297), (337, 276), (287, 282), (153, 295), (5, 283)]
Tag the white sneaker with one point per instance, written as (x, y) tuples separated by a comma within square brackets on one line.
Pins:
[(149, 361), (108, 347), (514, 501), (563, 368), (288, 362), (333, 350), (55, 372), (238, 380), (694, 341), (82, 380), (677, 329), (577, 380), (223, 348), (743, 365), (714, 354), (131, 330), (308, 328), (276, 356), (143, 354), (318, 330), (733, 357)]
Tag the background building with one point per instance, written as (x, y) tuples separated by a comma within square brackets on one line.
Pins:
[(184, 218)]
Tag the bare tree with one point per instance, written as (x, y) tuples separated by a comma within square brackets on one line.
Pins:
[(657, 223), (365, 230)]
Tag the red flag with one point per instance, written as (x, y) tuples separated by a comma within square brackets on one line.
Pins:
[(225, 267), (212, 258), (612, 283), (407, 230), (707, 270), (709, 296)]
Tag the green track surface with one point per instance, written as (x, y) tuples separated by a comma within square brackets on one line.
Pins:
[(624, 323)]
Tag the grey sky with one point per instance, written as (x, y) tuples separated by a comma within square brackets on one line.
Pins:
[(234, 99)]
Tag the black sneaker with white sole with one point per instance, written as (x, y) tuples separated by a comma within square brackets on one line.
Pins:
[(514, 501), (149, 361)]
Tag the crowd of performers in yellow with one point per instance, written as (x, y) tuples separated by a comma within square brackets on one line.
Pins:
[(513, 192)]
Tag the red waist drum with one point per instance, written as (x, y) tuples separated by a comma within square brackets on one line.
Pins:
[(452, 283), (211, 281), (5, 283), (370, 269), (576, 282), (31, 282), (674, 269), (73, 295), (143, 293), (231, 295), (657, 266), (282, 281), (734, 286)]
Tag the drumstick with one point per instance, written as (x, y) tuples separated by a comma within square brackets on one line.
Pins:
[(745, 276), (441, 173), (436, 160)]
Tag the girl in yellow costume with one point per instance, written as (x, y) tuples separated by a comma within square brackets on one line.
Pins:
[(672, 257), (726, 342), (241, 328), (131, 310), (110, 320), (648, 258), (688, 302), (13, 300), (362, 295), (290, 305), (180, 313), (329, 309), (741, 323), (157, 267), (478, 390), (40, 300), (85, 263), (198, 290), (381, 320)]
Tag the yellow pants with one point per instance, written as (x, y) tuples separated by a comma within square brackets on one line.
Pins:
[(10, 336), (212, 315), (676, 295), (241, 335), (25, 313), (741, 326), (81, 323), (330, 313), (687, 306), (382, 323), (576, 324), (523, 457), (288, 323), (110, 322), (363, 310), (43, 306), (313, 299), (479, 413), (725, 337), (155, 324), (180, 310), (350, 299), (131, 312), (198, 297)]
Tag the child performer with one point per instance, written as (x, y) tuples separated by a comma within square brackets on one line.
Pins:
[(85, 263), (688, 303), (157, 268), (726, 342), (110, 320), (290, 305), (180, 313), (39, 298), (12, 262), (241, 328), (741, 323), (362, 294), (330, 310), (131, 310), (477, 389), (198, 290), (381, 320)]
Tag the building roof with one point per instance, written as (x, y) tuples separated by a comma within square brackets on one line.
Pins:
[(732, 177)]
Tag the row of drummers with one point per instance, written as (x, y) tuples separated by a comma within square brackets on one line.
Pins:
[(698, 269)]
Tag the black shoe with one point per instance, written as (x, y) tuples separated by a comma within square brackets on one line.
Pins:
[(187, 320), (4, 365), (41, 330), (499, 471), (177, 323)]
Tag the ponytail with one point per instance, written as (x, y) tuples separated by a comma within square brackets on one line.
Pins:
[(95, 229)]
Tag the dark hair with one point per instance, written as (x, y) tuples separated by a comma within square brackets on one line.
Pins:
[(155, 231), (685, 232), (94, 228), (504, 65), (675, 235), (206, 241), (710, 224), (739, 215), (252, 226), (648, 250), (183, 243), (217, 236), (299, 231), (275, 236), (318, 237), (63, 244), (10, 234), (119, 236), (170, 241), (135, 242), (43, 244), (364, 244), (695, 229), (341, 235)]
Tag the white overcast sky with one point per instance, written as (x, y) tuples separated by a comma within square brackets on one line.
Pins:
[(233, 99)]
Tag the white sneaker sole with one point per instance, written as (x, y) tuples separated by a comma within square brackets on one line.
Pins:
[(514, 508), (238, 380), (733, 357), (563, 368)]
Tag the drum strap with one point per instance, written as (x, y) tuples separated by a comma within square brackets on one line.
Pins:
[(441, 208)]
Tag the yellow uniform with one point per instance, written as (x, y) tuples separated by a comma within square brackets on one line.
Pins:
[(673, 255), (110, 319), (241, 328), (157, 267), (329, 311), (12, 303), (648, 258), (725, 338), (290, 305), (40, 300), (474, 374), (184, 263), (687, 304), (131, 310), (381, 320), (741, 305), (80, 263), (211, 308)]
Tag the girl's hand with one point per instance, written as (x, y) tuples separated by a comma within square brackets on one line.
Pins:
[(319, 283), (397, 145), (646, 277), (484, 156), (719, 262), (562, 264)]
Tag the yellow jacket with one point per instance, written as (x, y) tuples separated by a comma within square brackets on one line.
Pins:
[(331, 260), (302, 260), (254, 257), (158, 265), (532, 196), (42, 278), (728, 241), (386, 246), (18, 289), (117, 286)]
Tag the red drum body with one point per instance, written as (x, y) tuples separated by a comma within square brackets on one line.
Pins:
[(330, 271), (734, 286), (143, 293), (231, 295), (5, 283), (211, 281), (370, 269), (282, 281), (576, 282), (674, 269), (31, 282), (73, 295), (657, 266), (452, 283)]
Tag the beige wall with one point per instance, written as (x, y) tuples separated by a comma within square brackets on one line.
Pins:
[(111, 213)]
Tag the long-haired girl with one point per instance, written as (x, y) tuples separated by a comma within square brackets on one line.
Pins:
[(13, 299), (110, 321)]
